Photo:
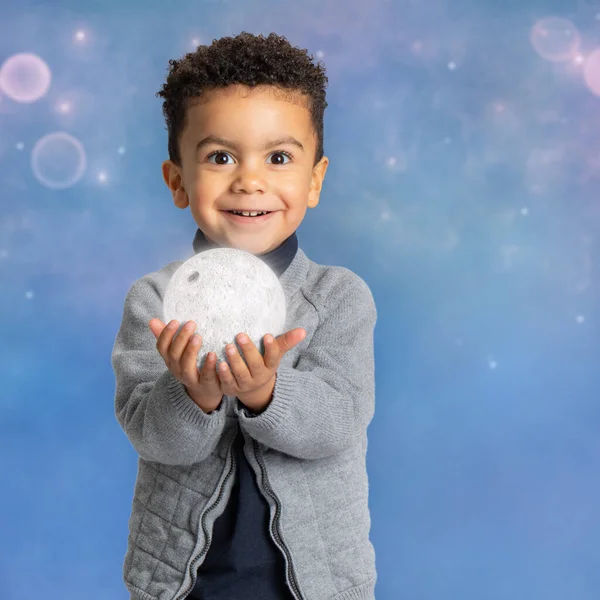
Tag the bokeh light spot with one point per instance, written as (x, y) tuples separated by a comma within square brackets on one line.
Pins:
[(25, 77), (58, 160), (591, 72), (555, 39)]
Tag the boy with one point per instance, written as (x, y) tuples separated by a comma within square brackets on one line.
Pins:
[(252, 480)]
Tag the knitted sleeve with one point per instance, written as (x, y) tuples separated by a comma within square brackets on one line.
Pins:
[(158, 416), (324, 404)]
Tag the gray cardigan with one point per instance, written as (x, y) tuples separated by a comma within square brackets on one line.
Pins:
[(308, 448)]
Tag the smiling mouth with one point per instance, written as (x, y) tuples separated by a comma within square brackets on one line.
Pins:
[(242, 219), (260, 213)]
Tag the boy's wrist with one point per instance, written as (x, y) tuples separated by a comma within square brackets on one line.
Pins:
[(258, 401), (206, 404)]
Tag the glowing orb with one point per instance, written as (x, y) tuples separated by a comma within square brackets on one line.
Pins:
[(226, 291)]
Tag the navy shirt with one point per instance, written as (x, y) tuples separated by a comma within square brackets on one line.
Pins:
[(242, 560)]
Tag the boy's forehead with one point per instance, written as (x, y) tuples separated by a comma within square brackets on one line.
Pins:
[(222, 107)]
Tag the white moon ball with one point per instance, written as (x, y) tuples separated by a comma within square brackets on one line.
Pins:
[(226, 291)]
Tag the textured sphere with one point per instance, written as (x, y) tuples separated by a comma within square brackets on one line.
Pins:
[(226, 291)]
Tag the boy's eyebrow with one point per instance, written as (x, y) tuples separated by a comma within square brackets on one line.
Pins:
[(213, 139)]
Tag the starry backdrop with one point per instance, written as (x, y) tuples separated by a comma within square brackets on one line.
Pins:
[(464, 139)]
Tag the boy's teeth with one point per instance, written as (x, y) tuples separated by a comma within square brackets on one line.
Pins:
[(248, 214)]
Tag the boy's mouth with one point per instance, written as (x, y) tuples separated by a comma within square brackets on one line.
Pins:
[(253, 217), (249, 213)]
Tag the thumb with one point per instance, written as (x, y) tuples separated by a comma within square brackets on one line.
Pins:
[(156, 326), (290, 339)]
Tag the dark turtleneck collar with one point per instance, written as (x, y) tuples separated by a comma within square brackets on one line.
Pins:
[(278, 259)]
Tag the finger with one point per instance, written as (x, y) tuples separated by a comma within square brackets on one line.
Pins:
[(156, 326), (254, 359), (238, 367), (164, 340), (181, 341), (272, 353), (226, 380), (189, 361), (290, 339), (209, 373)]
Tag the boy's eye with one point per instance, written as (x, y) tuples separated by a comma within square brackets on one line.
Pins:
[(219, 154), (280, 154)]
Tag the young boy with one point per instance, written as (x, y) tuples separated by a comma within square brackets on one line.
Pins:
[(252, 480)]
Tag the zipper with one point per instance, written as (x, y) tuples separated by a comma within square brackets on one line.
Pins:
[(208, 537), (275, 531)]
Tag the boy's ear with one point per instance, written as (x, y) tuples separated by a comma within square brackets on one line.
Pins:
[(172, 177), (316, 182)]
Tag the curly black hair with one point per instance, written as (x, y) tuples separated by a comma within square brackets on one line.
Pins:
[(245, 59)]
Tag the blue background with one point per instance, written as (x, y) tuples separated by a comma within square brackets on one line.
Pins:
[(463, 187)]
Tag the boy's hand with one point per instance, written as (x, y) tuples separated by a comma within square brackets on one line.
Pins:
[(254, 384), (181, 357)]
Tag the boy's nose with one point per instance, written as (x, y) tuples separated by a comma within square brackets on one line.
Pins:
[(249, 183)]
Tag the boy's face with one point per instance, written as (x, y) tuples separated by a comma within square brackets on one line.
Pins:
[(245, 171)]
